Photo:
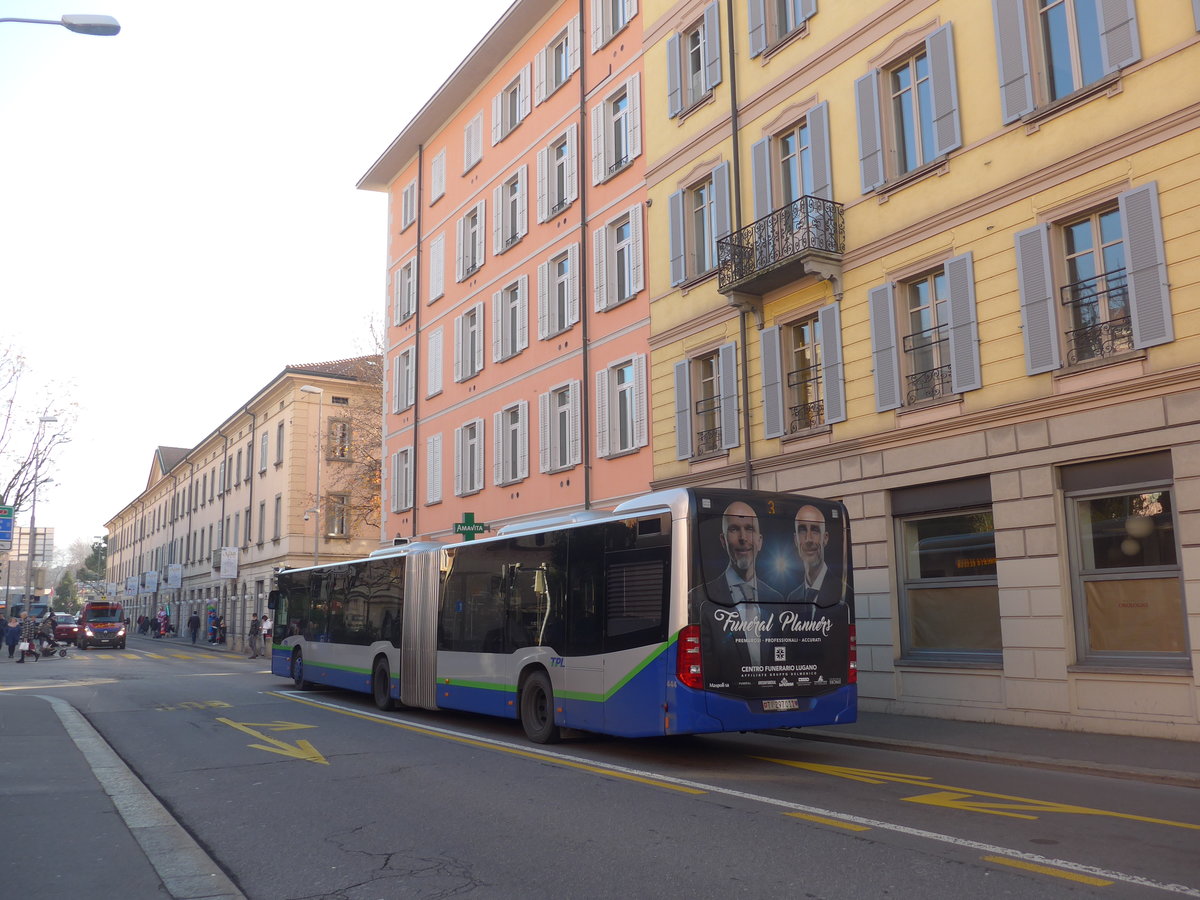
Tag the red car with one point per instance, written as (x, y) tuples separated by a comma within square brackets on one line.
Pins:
[(65, 630)]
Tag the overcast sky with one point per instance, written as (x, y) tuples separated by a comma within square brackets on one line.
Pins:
[(178, 212)]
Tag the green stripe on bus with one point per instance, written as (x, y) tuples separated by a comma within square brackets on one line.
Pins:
[(571, 695)]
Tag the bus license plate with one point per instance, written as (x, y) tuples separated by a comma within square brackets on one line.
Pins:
[(777, 705)]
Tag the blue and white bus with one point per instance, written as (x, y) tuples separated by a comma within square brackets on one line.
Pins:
[(680, 612)]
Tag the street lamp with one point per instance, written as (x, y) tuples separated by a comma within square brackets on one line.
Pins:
[(100, 26), (309, 389), (37, 465)]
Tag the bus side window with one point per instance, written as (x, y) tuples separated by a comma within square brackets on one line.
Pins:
[(635, 598)]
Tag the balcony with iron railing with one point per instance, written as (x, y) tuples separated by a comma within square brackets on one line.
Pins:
[(808, 236), (804, 385), (1099, 309), (708, 440), (927, 382)]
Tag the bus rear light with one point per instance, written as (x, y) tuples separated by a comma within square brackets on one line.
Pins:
[(852, 675), (688, 668)]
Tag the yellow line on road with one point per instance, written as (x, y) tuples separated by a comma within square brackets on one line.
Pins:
[(1047, 870), (821, 820), (492, 745)]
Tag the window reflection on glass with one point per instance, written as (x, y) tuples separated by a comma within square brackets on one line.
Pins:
[(951, 600), (1126, 531)]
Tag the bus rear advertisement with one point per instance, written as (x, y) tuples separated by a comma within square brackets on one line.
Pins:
[(682, 611)]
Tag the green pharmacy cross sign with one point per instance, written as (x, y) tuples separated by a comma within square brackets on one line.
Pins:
[(6, 527), (468, 527)]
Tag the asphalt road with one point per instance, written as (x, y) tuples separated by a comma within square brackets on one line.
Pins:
[(317, 794)]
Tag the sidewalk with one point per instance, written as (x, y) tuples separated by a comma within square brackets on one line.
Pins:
[(86, 826)]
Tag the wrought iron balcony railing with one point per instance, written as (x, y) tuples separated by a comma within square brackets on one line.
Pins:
[(807, 224), (1099, 310), (808, 412)]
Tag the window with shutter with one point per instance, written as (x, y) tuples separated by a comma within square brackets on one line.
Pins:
[(772, 22), (1052, 49), (1106, 269), (908, 114)]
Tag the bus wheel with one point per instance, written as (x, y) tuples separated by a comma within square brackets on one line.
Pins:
[(381, 685), (537, 709), (298, 672)]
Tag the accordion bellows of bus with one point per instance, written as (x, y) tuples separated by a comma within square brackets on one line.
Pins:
[(680, 612)]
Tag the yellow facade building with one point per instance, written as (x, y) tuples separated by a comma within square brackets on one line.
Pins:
[(940, 260)]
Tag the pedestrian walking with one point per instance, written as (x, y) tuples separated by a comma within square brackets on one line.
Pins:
[(12, 634), (28, 639), (193, 625), (253, 636)]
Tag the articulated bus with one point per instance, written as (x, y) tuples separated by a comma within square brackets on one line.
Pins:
[(683, 611)]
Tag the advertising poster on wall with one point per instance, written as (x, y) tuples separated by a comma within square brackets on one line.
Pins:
[(771, 594)]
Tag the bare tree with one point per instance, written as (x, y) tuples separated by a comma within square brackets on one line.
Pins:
[(28, 444), (363, 450)]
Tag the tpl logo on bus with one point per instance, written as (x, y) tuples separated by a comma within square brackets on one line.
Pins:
[(556, 661)]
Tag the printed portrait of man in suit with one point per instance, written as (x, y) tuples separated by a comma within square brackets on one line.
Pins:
[(811, 537)]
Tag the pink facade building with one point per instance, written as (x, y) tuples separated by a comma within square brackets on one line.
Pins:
[(517, 352)]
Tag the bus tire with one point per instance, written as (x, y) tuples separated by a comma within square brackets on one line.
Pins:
[(381, 685), (537, 709), (298, 678)]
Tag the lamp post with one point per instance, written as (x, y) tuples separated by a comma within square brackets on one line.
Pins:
[(309, 389), (37, 465), (99, 26)]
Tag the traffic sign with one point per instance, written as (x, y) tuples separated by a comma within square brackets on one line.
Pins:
[(7, 518)]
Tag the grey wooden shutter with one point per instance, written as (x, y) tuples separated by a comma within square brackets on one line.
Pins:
[(683, 410), (458, 461), (728, 382), (573, 413), (539, 77), (599, 141), (939, 49), (674, 81), (498, 335), (641, 412), (1146, 266), (712, 45), (602, 413), (772, 382), (757, 15), (1039, 318), (523, 439), (543, 187), (1012, 55), (498, 448), (1196, 13), (543, 304), (870, 131), (963, 324), (572, 179), (722, 214), (572, 286), (637, 275), (544, 431), (497, 119), (818, 134), (498, 219), (1119, 44), (459, 349), (633, 90), (675, 238), (833, 370), (806, 9), (883, 347), (760, 175), (600, 268)]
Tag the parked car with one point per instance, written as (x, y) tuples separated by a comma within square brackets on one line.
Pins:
[(66, 628)]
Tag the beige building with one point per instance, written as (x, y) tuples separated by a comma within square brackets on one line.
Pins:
[(939, 259), (216, 520)]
